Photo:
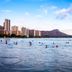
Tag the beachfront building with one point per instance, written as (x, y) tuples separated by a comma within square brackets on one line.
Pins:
[(24, 32), (27, 32), (18, 33), (40, 33), (31, 33), (14, 30), (37, 33), (1, 30), (7, 27)]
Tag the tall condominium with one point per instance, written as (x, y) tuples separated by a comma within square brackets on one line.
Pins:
[(1, 30), (37, 33), (34, 33), (25, 32), (14, 30), (7, 26), (31, 33), (18, 33)]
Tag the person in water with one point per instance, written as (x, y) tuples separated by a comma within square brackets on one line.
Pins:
[(30, 43), (1, 40), (15, 43), (46, 46), (6, 42)]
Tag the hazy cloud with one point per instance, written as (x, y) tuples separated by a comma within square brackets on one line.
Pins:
[(38, 16), (52, 7), (64, 12), (6, 11), (27, 13), (47, 8), (43, 10)]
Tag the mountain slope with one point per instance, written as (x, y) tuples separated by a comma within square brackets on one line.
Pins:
[(55, 33)]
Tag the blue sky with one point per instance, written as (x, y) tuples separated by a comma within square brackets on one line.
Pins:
[(38, 14)]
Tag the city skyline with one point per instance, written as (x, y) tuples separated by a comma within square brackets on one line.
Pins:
[(38, 14), (13, 31)]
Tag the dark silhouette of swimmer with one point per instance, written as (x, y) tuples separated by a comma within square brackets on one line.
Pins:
[(1, 40), (67, 42), (15, 43), (39, 42), (57, 46), (30, 43), (6, 42), (46, 46), (53, 43)]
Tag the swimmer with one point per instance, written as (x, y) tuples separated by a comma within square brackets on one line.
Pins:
[(6, 42), (30, 43), (1, 40), (16, 43), (56, 46), (53, 43), (67, 42), (46, 46)]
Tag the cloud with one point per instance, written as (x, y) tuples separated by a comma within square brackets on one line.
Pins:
[(53, 7), (45, 9), (27, 13), (6, 11), (38, 16), (64, 12)]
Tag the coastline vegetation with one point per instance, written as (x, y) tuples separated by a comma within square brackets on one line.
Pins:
[(19, 36)]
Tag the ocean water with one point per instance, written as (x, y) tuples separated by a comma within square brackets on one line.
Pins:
[(36, 55)]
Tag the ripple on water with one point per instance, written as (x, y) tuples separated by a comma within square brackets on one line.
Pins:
[(22, 57)]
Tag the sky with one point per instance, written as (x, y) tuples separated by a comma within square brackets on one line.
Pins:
[(38, 14)]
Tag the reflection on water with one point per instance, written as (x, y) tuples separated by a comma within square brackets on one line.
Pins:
[(36, 55)]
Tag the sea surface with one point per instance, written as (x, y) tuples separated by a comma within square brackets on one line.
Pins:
[(35, 54)]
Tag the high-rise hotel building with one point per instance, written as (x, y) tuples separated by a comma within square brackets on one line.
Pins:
[(14, 30), (25, 32), (1, 30), (37, 33), (32, 33), (7, 27)]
